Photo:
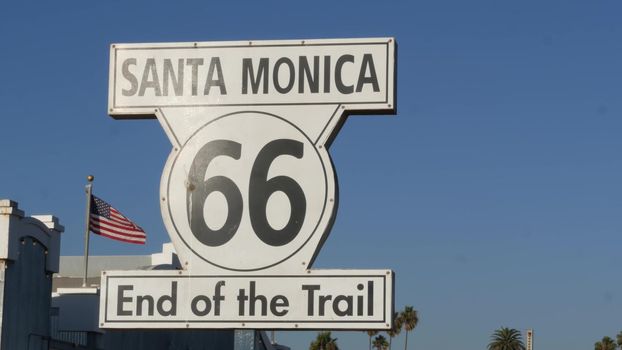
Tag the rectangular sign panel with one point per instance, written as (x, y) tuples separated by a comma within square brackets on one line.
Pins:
[(357, 72), (330, 299)]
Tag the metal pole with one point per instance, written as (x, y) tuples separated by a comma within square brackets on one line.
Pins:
[(88, 189)]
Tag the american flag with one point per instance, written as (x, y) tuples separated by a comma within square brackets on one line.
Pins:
[(108, 222)]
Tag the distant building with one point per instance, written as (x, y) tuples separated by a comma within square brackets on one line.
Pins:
[(71, 269)]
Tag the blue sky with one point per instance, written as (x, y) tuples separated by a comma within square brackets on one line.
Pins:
[(494, 193)]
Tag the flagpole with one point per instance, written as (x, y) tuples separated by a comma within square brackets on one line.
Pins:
[(89, 190)]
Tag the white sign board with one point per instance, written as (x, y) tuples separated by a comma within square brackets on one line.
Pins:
[(249, 189), (359, 299), (356, 72)]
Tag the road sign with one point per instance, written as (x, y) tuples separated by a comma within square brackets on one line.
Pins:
[(354, 72), (249, 188), (357, 299)]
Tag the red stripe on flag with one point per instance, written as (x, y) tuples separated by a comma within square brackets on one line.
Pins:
[(118, 238), (119, 218), (103, 227), (115, 224)]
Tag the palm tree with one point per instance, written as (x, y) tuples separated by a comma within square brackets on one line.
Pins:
[(605, 344), (619, 339), (324, 341), (371, 333), (409, 321), (506, 339), (396, 329), (380, 343)]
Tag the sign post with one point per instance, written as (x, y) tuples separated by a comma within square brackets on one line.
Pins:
[(248, 194)]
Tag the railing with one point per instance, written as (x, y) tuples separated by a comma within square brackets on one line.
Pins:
[(74, 337)]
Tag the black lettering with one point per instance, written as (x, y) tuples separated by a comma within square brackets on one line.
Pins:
[(154, 82), (305, 72), (339, 299), (252, 300), (172, 299), (368, 61), (370, 298), (359, 301), (218, 297), (242, 298), (178, 80), (323, 300), (277, 302), (194, 63), (195, 305), (292, 76), (311, 288), (344, 89), (262, 72), (214, 66), (139, 304), (326, 74), (123, 299), (130, 77)]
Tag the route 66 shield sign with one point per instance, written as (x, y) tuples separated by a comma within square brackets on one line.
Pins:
[(249, 186)]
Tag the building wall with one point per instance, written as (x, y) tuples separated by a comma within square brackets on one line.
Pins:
[(27, 289), (29, 254)]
